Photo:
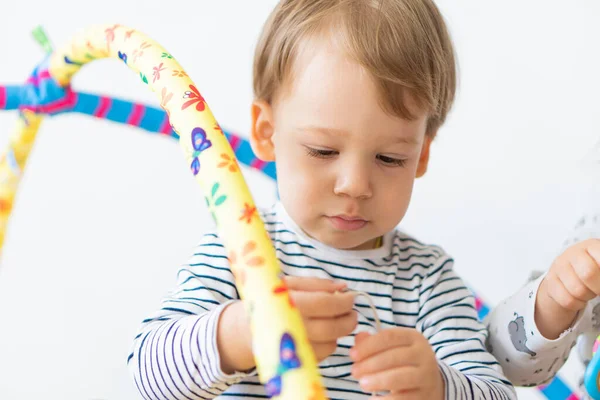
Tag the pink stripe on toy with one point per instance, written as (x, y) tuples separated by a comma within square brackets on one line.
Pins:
[(258, 164), (235, 142), (136, 115), (103, 107), (2, 97), (165, 127)]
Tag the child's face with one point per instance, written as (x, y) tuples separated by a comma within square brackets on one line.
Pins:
[(345, 167)]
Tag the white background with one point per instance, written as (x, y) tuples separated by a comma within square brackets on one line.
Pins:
[(106, 213)]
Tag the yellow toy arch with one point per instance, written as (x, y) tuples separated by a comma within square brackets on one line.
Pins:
[(252, 256)]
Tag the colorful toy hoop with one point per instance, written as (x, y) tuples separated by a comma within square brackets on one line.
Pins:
[(591, 379), (214, 166)]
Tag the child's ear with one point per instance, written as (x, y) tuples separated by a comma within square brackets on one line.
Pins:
[(424, 158), (263, 129)]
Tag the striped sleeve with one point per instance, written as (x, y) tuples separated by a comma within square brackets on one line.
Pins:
[(448, 319), (175, 354)]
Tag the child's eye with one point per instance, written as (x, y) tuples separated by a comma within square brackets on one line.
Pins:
[(394, 162), (320, 153)]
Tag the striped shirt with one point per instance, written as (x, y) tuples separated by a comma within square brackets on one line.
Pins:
[(413, 285)]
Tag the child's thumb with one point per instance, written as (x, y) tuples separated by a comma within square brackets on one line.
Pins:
[(361, 337)]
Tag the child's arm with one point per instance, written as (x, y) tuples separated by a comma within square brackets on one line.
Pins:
[(444, 358), (533, 331), (199, 343), (572, 281), (175, 354)]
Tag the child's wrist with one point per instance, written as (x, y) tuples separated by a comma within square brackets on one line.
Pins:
[(234, 341)]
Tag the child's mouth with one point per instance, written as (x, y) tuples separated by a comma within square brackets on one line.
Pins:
[(347, 223)]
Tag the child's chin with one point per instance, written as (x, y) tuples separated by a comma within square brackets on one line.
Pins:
[(350, 243)]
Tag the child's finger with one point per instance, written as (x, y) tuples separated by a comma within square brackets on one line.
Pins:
[(573, 281), (324, 350), (594, 250), (558, 292), (310, 284), (382, 341), (392, 358), (360, 337), (396, 379), (588, 272), (322, 304), (323, 330), (405, 395)]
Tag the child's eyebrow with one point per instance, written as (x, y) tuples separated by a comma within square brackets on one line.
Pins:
[(412, 140), (404, 139), (324, 130)]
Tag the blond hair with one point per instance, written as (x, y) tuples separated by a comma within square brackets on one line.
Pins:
[(403, 44)]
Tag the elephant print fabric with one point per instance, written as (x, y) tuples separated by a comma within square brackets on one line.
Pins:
[(518, 335)]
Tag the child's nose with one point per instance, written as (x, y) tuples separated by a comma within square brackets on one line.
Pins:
[(354, 181)]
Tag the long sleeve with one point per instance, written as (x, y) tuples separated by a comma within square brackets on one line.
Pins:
[(448, 319), (175, 354), (527, 357)]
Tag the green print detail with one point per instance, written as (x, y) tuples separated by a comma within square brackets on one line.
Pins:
[(40, 36), (219, 200), (215, 201), (144, 79)]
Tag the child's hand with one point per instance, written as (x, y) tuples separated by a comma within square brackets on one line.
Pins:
[(327, 315), (399, 361), (572, 281)]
